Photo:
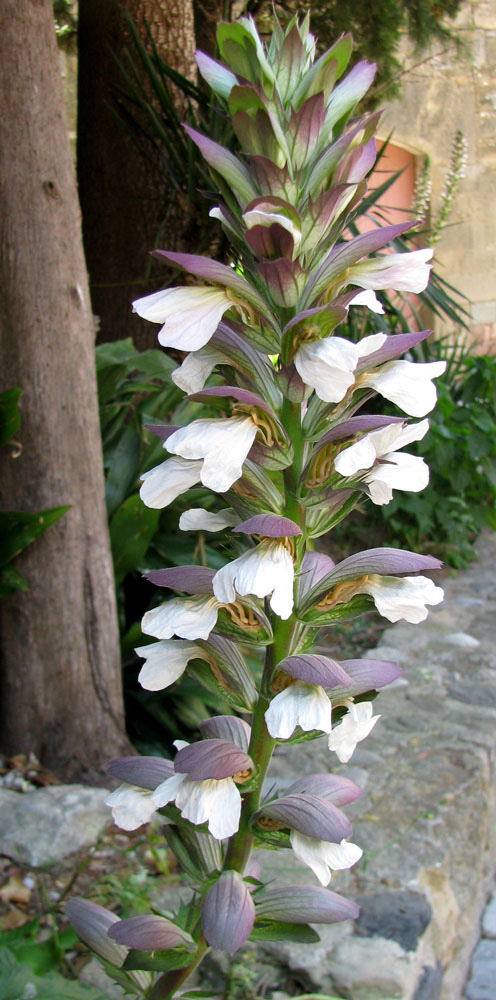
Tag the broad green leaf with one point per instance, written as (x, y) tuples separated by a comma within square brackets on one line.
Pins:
[(11, 581), (157, 961), (131, 530), (277, 930), (123, 466), (9, 414), (19, 528)]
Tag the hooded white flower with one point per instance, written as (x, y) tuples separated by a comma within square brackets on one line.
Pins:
[(131, 806), (404, 272), (199, 519), (323, 857), (328, 365), (196, 367), (165, 482), (222, 444), (403, 597), (268, 217), (191, 617), (165, 662), (354, 727), (369, 299), (190, 315), (407, 383), (300, 704), (376, 452), (264, 570), (217, 802)]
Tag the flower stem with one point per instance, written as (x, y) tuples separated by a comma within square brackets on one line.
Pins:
[(168, 984)]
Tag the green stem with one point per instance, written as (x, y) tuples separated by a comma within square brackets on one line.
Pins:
[(169, 983)]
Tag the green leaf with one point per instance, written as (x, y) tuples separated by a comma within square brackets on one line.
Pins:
[(123, 466), (19, 528), (131, 530), (9, 414), (11, 581), (16, 977), (277, 930), (157, 961)]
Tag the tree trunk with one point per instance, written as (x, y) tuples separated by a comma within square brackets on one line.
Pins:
[(122, 193), (61, 683)]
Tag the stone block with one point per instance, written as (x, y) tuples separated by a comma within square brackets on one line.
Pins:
[(373, 969), (398, 916), (489, 919), (482, 982), (430, 983), (39, 828)]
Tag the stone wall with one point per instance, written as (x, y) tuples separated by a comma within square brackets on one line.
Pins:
[(447, 91)]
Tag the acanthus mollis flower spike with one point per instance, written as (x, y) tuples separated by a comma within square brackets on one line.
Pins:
[(203, 787), (228, 913), (166, 661), (149, 932), (303, 904), (304, 702), (374, 461), (353, 728), (266, 570)]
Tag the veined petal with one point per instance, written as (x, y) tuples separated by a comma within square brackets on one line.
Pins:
[(131, 806), (264, 570), (368, 298), (199, 519), (300, 704), (353, 728), (222, 444), (190, 314), (188, 617), (404, 597), (327, 366), (168, 480), (215, 802), (400, 471), (165, 662), (166, 792), (381, 443), (196, 367), (323, 857), (360, 455), (405, 272), (407, 383)]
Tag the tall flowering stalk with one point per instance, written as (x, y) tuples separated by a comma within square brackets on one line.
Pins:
[(288, 456)]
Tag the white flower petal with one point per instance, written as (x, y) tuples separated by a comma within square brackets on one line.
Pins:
[(404, 597), (371, 344), (199, 519), (195, 369), (327, 366), (300, 704), (354, 727), (323, 857), (408, 384), (264, 570), (188, 617), (360, 455), (191, 314), (165, 662), (405, 272), (131, 806), (168, 480), (368, 298), (222, 444), (400, 472), (217, 802), (168, 790)]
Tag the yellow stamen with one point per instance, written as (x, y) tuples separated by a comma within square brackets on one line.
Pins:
[(342, 593)]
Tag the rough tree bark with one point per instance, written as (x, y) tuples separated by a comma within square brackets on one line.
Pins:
[(122, 194), (61, 683)]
